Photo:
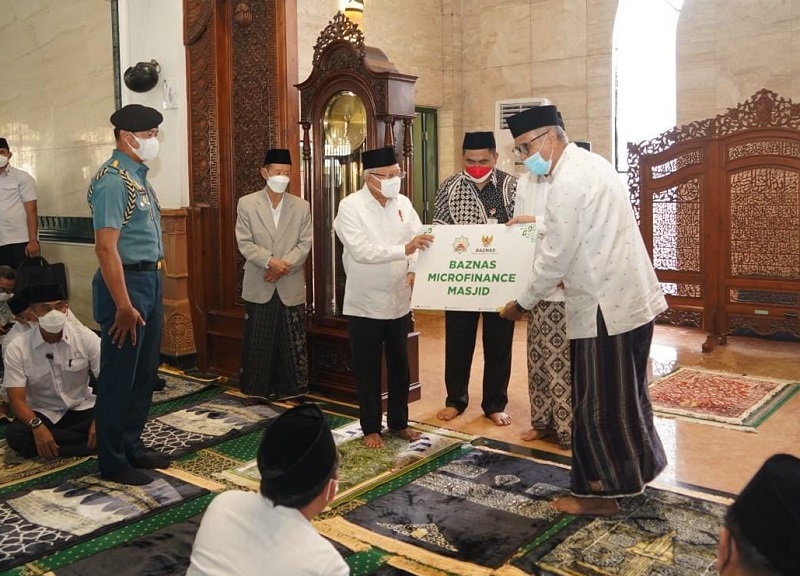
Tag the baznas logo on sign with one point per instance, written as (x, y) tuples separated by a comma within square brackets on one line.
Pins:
[(460, 244), (487, 241)]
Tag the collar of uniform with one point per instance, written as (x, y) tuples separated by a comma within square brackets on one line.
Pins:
[(128, 163), (38, 340)]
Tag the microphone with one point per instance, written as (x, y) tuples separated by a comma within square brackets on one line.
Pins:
[(49, 355)]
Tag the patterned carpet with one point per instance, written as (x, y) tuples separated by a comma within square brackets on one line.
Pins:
[(719, 398), (450, 506)]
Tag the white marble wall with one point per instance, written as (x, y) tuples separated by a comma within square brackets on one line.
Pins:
[(556, 49), (729, 49), (57, 93), (153, 30)]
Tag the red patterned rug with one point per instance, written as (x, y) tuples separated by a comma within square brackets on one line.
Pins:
[(719, 398)]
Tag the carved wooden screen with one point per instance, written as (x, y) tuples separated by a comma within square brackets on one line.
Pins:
[(241, 68), (718, 202)]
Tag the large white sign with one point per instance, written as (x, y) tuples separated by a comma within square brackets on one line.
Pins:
[(478, 267)]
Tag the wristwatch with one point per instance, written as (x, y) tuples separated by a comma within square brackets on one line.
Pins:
[(519, 308), (35, 423)]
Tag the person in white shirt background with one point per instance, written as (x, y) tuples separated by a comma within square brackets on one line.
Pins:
[(19, 227), (250, 534), (380, 233), (47, 380), (593, 245), (549, 383)]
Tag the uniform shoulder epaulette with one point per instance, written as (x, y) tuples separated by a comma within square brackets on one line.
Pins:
[(131, 187)]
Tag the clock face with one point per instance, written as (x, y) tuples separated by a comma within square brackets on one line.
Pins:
[(345, 123)]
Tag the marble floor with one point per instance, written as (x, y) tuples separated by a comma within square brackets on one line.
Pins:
[(699, 454)]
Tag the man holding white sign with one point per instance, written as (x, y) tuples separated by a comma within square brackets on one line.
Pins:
[(379, 231), (480, 194), (593, 245)]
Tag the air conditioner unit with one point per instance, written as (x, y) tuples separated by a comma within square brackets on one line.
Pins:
[(505, 142)]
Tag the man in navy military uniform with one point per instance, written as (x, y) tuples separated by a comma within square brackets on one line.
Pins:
[(127, 295)]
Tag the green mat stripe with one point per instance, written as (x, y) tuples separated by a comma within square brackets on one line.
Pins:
[(173, 515), (365, 563), (757, 419)]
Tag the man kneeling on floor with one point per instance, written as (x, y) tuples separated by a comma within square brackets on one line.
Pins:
[(47, 381), (245, 533)]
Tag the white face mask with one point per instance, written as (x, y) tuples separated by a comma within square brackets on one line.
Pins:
[(278, 183), (148, 148), (53, 322), (390, 187), (5, 297), (3, 161)]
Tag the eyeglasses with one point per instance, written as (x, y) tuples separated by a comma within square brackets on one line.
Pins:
[(522, 150), (383, 177)]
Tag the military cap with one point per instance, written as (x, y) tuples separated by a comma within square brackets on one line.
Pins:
[(136, 118)]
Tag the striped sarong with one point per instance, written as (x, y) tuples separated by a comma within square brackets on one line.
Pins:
[(616, 450)]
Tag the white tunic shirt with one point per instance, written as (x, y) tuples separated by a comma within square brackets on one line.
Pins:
[(593, 244), (55, 376), (243, 534), (531, 201), (375, 261), (16, 187)]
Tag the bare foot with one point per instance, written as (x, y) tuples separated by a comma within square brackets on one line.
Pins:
[(538, 434), (586, 506), (500, 418), (408, 434), (447, 414), (373, 440)]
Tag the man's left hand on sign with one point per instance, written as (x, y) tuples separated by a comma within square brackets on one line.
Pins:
[(126, 320), (521, 220), (418, 242), (511, 312)]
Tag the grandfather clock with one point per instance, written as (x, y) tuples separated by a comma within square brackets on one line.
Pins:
[(353, 100)]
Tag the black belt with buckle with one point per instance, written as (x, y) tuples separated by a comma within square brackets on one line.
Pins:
[(142, 267)]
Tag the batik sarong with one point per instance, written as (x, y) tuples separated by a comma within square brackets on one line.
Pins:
[(549, 386), (274, 358)]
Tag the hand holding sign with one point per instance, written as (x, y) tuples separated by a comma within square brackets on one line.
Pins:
[(419, 242), (473, 268)]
